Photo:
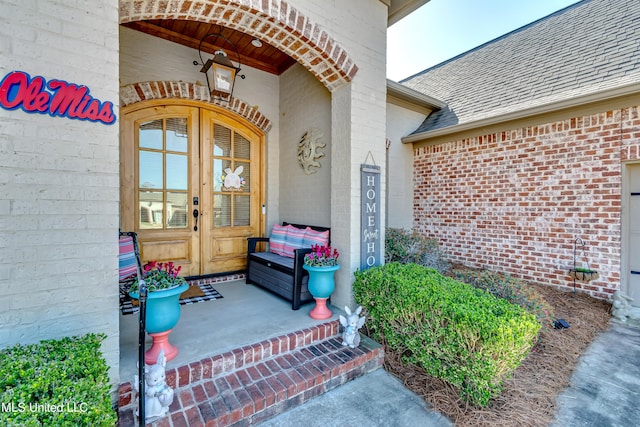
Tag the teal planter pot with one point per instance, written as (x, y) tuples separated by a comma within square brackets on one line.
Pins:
[(321, 285), (163, 308), (162, 315)]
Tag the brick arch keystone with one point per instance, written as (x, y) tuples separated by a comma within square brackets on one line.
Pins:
[(145, 91), (275, 22)]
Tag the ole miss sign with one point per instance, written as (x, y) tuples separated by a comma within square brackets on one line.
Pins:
[(54, 97)]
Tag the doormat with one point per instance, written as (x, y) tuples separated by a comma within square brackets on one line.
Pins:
[(193, 295)]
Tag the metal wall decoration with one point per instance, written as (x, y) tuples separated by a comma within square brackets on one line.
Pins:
[(370, 247), (309, 151), (56, 98)]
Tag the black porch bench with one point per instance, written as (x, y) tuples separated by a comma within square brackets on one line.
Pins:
[(282, 275)]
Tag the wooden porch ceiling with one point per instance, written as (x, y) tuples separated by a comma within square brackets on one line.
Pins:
[(189, 33)]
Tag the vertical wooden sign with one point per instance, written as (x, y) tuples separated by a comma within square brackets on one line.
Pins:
[(370, 228)]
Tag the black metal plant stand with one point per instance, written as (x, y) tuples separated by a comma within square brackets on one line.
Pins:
[(141, 336), (579, 273), (141, 333)]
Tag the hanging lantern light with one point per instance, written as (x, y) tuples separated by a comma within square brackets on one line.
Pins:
[(220, 72)]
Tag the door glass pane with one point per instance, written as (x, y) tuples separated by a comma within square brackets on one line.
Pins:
[(245, 176), (241, 147), (176, 133), (177, 210), (150, 135), (177, 171), (151, 169), (241, 210), (221, 141), (222, 210), (226, 178), (163, 165), (218, 174), (231, 177), (151, 208)]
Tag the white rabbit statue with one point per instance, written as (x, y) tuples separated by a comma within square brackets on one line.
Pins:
[(158, 394), (351, 323), (621, 307), (232, 180)]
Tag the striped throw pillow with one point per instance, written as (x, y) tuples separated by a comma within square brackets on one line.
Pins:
[(127, 258), (293, 241), (276, 241), (313, 237)]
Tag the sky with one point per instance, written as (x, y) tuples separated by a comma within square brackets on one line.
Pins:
[(442, 29)]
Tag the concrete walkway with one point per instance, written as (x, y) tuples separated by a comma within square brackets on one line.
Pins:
[(604, 391), (605, 387), (376, 399)]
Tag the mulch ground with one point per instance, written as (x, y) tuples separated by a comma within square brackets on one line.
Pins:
[(529, 397)]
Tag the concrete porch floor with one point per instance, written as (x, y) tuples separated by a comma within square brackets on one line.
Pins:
[(246, 314)]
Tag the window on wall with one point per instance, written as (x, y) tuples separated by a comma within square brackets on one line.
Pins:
[(231, 178), (163, 165)]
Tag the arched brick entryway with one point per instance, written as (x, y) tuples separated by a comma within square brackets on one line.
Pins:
[(275, 22), (145, 91)]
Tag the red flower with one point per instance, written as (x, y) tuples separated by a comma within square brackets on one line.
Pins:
[(322, 256)]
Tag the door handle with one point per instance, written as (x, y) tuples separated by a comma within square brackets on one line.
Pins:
[(196, 214)]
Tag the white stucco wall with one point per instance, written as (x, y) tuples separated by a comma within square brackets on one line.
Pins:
[(305, 104), (358, 121), (400, 122), (144, 58), (59, 179)]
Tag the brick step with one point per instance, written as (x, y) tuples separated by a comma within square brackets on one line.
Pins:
[(252, 384)]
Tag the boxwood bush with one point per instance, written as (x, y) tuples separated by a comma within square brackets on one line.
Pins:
[(409, 246), (56, 383), (454, 331), (510, 288)]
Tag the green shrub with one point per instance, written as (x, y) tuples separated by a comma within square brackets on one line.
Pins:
[(510, 288), (460, 334), (409, 246), (56, 383)]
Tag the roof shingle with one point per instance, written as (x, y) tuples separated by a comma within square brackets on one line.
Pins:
[(591, 46)]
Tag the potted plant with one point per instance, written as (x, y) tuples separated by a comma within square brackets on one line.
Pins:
[(321, 263), (164, 287), (583, 274)]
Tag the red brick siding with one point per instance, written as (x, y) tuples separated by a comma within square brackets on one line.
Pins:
[(515, 201)]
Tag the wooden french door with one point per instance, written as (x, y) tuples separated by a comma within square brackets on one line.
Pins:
[(191, 186)]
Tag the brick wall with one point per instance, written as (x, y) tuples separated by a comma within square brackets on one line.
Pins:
[(59, 180), (515, 201), (358, 134)]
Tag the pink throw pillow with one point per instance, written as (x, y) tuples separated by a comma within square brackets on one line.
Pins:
[(277, 239), (313, 237), (293, 241)]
